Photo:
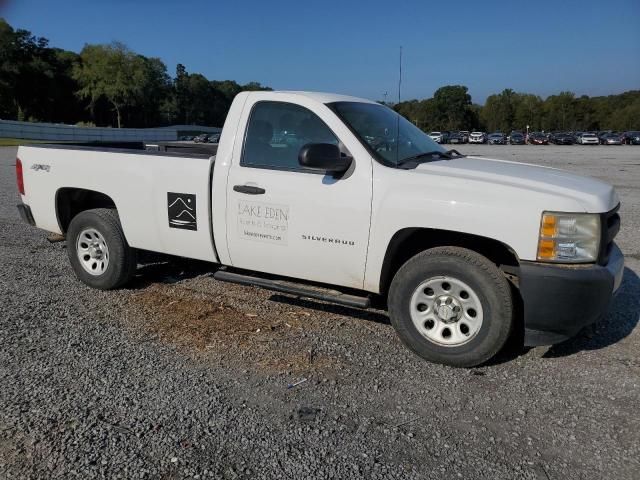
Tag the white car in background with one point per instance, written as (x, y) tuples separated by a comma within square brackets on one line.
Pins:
[(477, 137), (588, 139), (437, 137)]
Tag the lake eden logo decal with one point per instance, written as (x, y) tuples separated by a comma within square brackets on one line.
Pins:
[(182, 210)]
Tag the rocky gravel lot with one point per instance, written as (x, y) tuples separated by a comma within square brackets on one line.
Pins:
[(179, 376)]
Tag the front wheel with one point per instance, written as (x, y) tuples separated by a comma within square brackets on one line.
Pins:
[(452, 306), (98, 250)]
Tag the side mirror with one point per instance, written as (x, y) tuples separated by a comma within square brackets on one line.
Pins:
[(325, 157)]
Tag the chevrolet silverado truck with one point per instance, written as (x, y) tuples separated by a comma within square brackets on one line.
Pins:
[(341, 199)]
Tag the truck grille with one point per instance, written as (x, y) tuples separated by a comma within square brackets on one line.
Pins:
[(610, 225)]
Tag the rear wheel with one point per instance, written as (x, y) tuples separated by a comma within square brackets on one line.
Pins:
[(452, 306), (98, 250)]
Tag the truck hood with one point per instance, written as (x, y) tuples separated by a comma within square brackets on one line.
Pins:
[(594, 195)]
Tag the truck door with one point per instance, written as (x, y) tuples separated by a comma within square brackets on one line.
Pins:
[(288, 220)]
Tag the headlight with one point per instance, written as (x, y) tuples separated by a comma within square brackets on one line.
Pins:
[(569, 237)]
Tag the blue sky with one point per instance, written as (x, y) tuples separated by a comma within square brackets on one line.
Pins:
[(351, 47)]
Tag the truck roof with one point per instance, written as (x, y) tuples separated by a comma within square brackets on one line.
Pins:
[(322, 97)]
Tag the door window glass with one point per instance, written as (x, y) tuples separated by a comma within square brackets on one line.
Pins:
[(276, 133)]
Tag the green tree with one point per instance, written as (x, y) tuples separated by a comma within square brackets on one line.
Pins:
[(626, 118), (228, 88), (152, 106), (181, 93), (254, 87), (112, 72), (198, 100), (527, 111), (476, 122), (585, 114), (499, 112), (452, 107), (560, 112), (9, 70), (35, 80)]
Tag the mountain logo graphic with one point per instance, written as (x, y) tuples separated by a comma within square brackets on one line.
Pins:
[(181, 209)]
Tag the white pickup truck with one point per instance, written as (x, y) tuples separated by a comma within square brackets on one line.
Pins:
[(341, 199)]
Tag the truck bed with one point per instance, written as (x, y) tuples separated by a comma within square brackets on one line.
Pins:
[(143, 184)]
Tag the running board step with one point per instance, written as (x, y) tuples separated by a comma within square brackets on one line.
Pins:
[(292, 288)]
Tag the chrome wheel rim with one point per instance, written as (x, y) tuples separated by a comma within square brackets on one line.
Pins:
[(92, 251), (446, 311)]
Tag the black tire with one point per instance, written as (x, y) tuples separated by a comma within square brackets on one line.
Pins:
[(122, 259), (482, 276)]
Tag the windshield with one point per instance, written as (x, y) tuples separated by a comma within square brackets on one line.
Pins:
[(389, 136)]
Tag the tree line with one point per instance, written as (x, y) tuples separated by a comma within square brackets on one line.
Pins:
[(451, 108), (114, 86), (106, 85)]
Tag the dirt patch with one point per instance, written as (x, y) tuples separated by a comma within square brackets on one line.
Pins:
[(179, 315)]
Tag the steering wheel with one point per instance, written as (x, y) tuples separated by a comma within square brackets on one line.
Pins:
[(380, 144)]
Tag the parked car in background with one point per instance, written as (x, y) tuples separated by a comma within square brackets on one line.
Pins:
[(631, 138), (611, 139), (214, 138), (202, 138), (456, 137), (496, 138), (477, 137), (465, 135), (561, 139), (601, 135), (537, 138), (438, 137), (516, 138), (588, 139)]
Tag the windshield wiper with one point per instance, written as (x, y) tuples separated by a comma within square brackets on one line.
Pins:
[(412, 162)]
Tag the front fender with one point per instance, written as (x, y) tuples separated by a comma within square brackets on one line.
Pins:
[(504, 213)]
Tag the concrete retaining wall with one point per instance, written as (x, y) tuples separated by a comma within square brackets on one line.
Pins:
[(71, 133)]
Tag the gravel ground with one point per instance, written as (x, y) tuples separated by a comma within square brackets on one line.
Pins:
[(180, 376)]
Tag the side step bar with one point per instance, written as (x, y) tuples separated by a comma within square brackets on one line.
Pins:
[(292, 288)]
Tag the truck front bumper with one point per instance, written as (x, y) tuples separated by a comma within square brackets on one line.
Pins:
[(561, 300), (25, 214)]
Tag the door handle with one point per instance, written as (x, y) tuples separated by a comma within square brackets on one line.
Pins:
[(249, 189)]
